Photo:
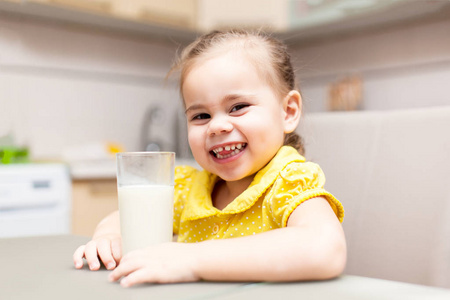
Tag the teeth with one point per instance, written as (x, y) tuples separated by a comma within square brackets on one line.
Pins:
[(217, 150), (235, 149)]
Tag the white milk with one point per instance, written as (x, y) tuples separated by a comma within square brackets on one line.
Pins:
[(146, 215)]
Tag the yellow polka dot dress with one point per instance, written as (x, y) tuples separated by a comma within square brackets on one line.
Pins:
[(275, 192)]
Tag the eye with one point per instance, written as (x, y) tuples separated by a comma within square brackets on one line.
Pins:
[(201, 116), (238, 107)]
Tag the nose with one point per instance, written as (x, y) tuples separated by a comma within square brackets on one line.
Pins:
[(219, 125)]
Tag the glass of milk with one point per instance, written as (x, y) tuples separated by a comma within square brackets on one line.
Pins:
[(145, 185)]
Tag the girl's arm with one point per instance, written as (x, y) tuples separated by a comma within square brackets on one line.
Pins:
[(311, 247), (106, 243)]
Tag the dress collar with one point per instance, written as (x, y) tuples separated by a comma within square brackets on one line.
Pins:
[(200, 204)]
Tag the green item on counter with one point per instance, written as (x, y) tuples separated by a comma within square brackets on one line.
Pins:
[(13, 155)]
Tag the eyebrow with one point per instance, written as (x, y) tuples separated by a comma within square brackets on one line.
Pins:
[(227, 98), (193, 107)]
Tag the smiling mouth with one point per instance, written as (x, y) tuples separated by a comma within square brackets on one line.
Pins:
[(228, 150)]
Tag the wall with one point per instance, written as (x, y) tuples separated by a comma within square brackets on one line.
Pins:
[(403, 66), (64, 86)]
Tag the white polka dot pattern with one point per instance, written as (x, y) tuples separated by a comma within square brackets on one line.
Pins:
[(266, 205)]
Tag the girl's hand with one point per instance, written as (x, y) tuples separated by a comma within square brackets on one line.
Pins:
[(107, 247), (165, 263)]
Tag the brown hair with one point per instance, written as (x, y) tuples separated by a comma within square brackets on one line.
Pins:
[(259, 48)]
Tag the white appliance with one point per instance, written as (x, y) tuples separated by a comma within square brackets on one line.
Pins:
[(35, 199)]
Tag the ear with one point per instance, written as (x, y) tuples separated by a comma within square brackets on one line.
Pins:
[(292, 106)]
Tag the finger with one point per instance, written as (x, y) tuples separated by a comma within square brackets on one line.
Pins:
[(137, 277), (105, 253), (78, 257), (91, 255), (125, 267), (116, 247)]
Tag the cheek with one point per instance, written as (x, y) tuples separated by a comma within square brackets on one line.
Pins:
[(196, 143), (260, 124), (194, 138)]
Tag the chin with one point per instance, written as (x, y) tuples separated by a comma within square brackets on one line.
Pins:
[(235, 176)]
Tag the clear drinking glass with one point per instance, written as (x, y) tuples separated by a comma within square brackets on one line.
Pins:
[(145, 185)]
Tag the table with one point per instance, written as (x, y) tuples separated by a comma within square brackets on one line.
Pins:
[(42, 268)]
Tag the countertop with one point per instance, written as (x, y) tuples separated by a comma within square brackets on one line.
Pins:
[(106, 168)]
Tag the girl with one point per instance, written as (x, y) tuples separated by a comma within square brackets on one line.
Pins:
[(242, 109)]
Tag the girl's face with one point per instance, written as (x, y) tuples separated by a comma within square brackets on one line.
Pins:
[(235, 120)]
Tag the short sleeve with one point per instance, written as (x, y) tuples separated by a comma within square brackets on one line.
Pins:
[(183, 182), (295, 184)]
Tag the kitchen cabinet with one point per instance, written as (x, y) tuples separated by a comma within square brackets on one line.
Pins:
[(183, 20), (92, 200), (166, 20)]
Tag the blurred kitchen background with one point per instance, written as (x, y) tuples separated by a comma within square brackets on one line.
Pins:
[(83, 79)]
